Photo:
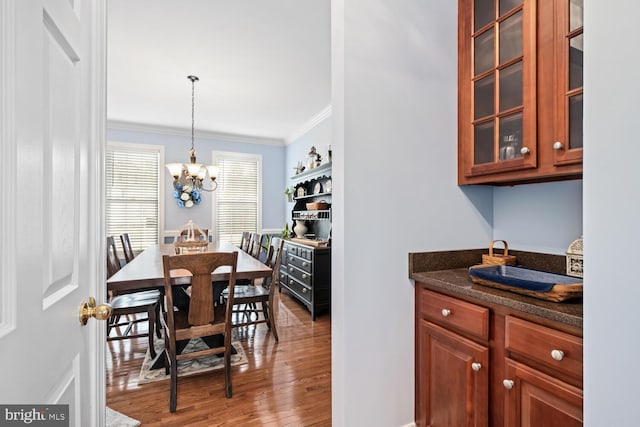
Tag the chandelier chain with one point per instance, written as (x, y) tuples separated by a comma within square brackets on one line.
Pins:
[(193, 107)]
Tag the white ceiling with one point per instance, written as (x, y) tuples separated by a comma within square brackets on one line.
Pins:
[(264, 65)]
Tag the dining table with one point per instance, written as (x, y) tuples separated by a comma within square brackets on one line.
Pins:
[(145, 271)]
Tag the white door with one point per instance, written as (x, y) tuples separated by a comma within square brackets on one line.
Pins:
[(51, 233)]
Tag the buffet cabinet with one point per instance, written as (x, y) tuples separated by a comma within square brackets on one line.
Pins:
[(305, 273), (479, 366)]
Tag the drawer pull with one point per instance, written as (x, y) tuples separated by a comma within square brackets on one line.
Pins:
[(508, 384), (304, 276), (291, 282), (304, 290), (304, 264), (476, 366), (557, 355), (291, 269), (446, 312)]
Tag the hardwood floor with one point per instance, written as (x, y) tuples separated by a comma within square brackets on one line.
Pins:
[(285, 383)]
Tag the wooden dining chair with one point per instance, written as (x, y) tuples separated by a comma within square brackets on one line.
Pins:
[(263, 248), (246, 240), (204, 318), (255, 304), (127, 304), (126, 247), (254, 245)]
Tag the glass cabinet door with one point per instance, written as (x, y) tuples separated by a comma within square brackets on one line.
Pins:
[(502, 84), (503, 78), (569, 46)]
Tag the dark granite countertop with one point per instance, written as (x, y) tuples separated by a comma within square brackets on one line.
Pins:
[(447, 271)]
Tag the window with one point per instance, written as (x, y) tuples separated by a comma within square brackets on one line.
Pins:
[(238, 195), (133, 192)]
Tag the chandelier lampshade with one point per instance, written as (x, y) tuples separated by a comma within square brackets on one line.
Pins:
[(189, 178)]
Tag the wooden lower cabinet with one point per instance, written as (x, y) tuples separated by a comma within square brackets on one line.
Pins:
[(482, 365), (453, 380), (533, 398)]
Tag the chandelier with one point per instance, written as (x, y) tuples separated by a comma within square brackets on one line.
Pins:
[(192, 174)]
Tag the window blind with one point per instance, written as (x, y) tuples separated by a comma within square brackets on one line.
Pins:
[(132, 194), (238, 194)]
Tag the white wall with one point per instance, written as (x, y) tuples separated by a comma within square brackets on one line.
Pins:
[(611, 213), (395, 191)]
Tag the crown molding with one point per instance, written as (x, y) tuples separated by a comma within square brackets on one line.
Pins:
[(310, 124), (203, 134)]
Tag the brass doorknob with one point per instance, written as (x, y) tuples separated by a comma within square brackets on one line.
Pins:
[(89, 309)]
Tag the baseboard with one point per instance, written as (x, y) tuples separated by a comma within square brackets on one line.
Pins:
[(410, 425)]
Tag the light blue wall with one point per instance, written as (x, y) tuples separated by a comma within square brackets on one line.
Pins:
[(318, 136), (394, 191), (177, 150), (538, 217), (611, 212)]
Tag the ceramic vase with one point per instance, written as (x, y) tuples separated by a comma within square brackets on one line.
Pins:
[(300, 228)]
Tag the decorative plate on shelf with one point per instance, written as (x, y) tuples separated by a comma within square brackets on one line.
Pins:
[(317, 189), (327, 186)]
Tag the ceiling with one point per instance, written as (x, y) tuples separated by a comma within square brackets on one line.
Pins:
[(264, 65)]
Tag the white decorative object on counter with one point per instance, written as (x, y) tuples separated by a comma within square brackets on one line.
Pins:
[(300, 228), (574, 258)]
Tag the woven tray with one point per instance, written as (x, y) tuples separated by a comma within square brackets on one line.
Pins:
[(314, 243), (557, 293)]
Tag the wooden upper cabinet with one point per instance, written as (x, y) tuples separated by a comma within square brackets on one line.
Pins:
[(520, 91)]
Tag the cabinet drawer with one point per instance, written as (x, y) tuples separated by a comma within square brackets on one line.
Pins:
[(301, 263), (299, 289), (302, 276), (305, 253), (555, 349), (451, 312), (289, 249)]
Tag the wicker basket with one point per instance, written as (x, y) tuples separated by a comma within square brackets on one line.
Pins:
[(317, 206), (188, 240), (183, 247), (497, 259)]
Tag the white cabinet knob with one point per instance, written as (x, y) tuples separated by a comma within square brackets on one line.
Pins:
[(446, 312), (557, 355), (524, 150), (304, 264), (304, 290), (476, 366), (508, 384), (557, 145), (304, 276), (290, 268)]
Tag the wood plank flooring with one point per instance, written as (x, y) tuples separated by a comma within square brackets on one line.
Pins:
[(285, 383)]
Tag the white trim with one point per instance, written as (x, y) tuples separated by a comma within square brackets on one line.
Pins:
[(8, 285), (202, 134), (161, 187), (271, 231), (97, 133), (310, 124), (410, 425)]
